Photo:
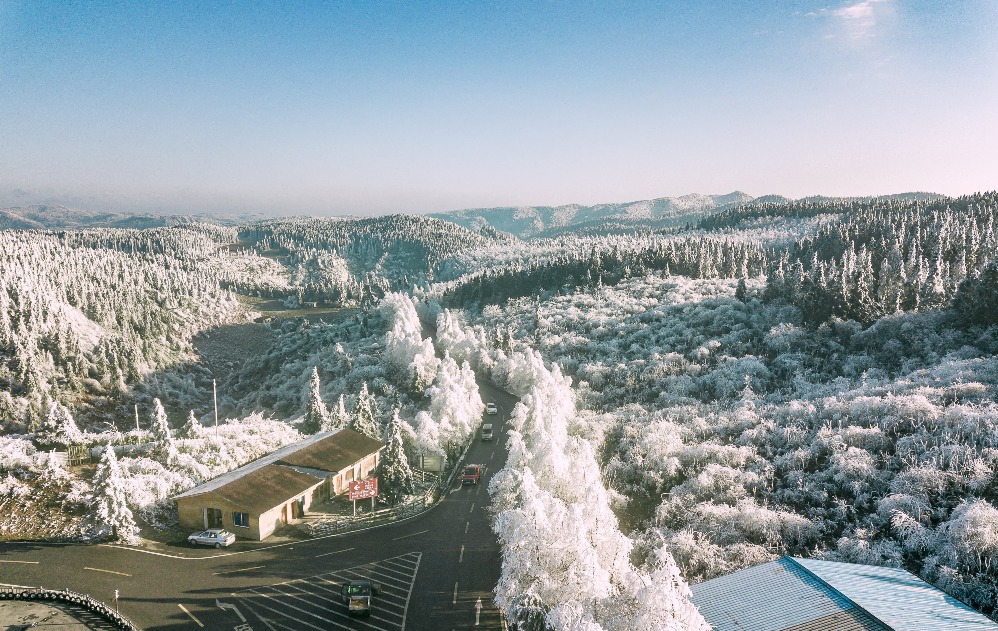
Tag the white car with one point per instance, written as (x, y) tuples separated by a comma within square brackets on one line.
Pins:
[(490, 408), (212, 537)]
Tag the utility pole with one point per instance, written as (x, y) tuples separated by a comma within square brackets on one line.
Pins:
[(214, 396), (136, 417)]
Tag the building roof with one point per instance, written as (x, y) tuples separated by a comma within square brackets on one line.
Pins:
[(341, 451), (268, 487), (793, 594), (897, 597), (777, 596), (336, 447)]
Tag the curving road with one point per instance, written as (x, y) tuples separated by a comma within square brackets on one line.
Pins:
[(434, 569)]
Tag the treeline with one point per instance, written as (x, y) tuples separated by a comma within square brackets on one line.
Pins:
[(606, 262), (888, 257), (338, 257)]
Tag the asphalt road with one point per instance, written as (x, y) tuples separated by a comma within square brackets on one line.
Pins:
[(434, 567)]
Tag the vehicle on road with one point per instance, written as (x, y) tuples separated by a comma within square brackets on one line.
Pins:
[(490, 408), (212, 537), (472, 474), (357, 596), (487, 431)]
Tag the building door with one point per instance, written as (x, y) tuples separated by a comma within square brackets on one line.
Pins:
[(212, 518), (300, 507)]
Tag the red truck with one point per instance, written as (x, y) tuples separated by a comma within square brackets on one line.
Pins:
[(472, 474)]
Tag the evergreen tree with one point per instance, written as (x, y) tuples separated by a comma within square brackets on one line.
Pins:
[(164, 449), (58, 427), (111, 511), (363, 415), (394, 474), (193, 428), (316, 414), (339, 418)]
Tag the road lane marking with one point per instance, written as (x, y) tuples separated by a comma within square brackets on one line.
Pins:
[(97, 569), (493, 455), (466, 524), (325, 554), (193, 617), (472, 508), (242, 569), (454, 602), (25, 562), (460, 559), (405, 612), (411, 535)]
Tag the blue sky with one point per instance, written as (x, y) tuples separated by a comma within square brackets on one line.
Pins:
[(361, 108)]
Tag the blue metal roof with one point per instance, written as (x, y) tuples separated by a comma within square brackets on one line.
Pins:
[(898, 598), (776, 596), (809, 595)]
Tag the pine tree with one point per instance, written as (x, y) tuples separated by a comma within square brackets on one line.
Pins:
[(339, 418), (193, 428), (363, 415), (394, 474), (164, 449), (58, 427), (316, 415), (111, 510)]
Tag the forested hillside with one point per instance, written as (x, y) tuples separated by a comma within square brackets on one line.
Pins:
[(813, 377), (825, 390)]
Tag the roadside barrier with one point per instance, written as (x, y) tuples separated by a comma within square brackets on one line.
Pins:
[(74, 598)]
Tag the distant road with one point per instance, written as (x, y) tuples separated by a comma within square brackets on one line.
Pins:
[(434, 568)]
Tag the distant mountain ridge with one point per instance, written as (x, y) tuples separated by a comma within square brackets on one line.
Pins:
[(532, 221), (56, 217)]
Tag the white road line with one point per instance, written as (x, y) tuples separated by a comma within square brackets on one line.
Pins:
[(466, 527), (97, 569), (24, 562), (390, 580), (472, 508), (193, 617), (242, 569), (454, 602), (405, 611), (460, 559), (493, 455), (407, 568), (290, 616), (384, 600), (411, 535), (309, 613), (325, 554)]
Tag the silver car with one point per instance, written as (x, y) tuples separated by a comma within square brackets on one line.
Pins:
[(490, 408), (217, 537)]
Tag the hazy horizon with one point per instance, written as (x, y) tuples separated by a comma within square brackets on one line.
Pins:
[(429, 107)]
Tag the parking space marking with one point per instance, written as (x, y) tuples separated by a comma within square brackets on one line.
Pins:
[(193, 617), (315, 602)]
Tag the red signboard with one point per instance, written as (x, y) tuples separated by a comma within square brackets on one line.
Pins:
[(361, 489)]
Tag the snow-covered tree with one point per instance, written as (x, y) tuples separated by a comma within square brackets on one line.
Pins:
[(164, 447), (316, 414), (192, 428), (339, 418), (110, 508), (395, 479), (58, 427), (363, 420)]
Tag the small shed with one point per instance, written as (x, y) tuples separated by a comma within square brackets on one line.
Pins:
[(258, 497), (794, 594)]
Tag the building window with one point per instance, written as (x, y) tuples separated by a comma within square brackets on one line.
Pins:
[(240, 519)]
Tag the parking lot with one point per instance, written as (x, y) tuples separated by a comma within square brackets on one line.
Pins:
[(315, 602)]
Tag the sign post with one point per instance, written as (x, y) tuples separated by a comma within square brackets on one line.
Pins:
[(362, 489), (116, 600)]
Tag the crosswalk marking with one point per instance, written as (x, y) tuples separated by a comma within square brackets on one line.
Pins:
[(315, 602)]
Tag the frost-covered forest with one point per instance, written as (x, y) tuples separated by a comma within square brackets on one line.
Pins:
[(815, 378)]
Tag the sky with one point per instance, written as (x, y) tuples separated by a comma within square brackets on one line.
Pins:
[(358, 108)]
